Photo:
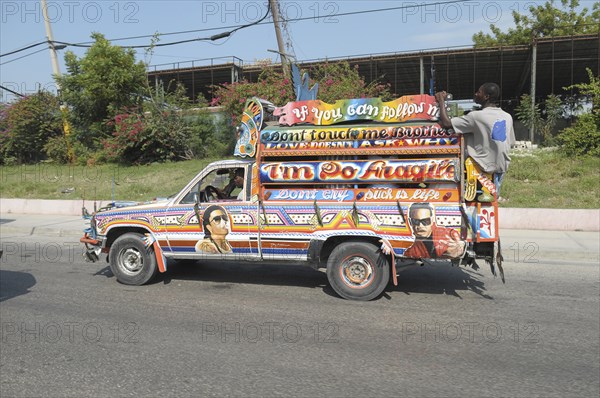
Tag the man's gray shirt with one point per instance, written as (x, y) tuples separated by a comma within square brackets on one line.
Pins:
[(489, 134)]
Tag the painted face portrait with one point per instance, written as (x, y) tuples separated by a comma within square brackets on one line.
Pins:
[(215, 221), (216, 227), (422, 222)]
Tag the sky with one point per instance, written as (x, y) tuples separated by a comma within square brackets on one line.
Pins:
[(322, 32)]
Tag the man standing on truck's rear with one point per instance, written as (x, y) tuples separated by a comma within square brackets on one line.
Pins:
[(489, 133)]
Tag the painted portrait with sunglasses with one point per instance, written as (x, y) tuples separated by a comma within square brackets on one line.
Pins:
[(431, 241), (215, 222)]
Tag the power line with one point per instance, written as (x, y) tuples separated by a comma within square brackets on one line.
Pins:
[(259, 22), (23, 56), (25, 48), (238, 27), (209, 38), (12, 92)]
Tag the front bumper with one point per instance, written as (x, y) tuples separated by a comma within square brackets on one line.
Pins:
[(93, 247)]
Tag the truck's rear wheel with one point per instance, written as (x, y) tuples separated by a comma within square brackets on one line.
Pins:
[(358, 271), (131, 261)]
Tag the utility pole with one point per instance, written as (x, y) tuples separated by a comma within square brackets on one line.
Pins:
[(50, 37), (533, 83), (55, 69), (275, 13)]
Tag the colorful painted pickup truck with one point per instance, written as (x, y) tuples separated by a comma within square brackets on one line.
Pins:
[(361, 187)]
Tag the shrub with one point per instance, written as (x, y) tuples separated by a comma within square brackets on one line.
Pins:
[(582, 138), (147, 137), (55, 149), (271, 85), (340, 80), (211, 134), (167, 129), (27, 124)]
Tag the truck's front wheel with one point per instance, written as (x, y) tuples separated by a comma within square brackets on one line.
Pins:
[(131, 261), (358, 271)]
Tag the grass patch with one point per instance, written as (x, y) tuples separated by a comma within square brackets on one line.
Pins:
[(103, 182), (540, 178), (547, 179)]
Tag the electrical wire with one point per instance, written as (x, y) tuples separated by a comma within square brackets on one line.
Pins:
[(23, 56), (259, 22), (209, 38), (11, 91), (297, 19), (24, 48), (238, 27)]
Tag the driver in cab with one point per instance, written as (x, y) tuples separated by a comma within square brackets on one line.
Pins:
[(236, 182)]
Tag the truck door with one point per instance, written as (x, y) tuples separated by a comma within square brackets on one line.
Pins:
[(213, 218)]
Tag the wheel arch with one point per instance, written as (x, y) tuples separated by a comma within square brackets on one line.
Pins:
[(327, 247), (113, 234)]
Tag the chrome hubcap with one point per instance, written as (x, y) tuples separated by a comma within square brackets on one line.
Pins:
[(131, 261), (357, 272)]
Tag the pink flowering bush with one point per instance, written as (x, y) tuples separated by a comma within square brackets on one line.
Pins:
[(336, 81), (165, 130), (340, 80)]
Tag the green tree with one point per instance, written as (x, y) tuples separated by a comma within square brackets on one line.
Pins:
[(99, 84), (26, 125), (590, 91), (583, 137), (542, 120), (545, 20), (336, 81)]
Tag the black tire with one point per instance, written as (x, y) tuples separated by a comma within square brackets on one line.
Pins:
[(358, 271), (131, 261)]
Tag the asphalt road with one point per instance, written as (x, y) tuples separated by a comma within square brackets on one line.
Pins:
[(69, 329)]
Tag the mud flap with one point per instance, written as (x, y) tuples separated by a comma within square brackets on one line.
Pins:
[(496, 260), (394, 276), (499, 258), (161, 261)]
